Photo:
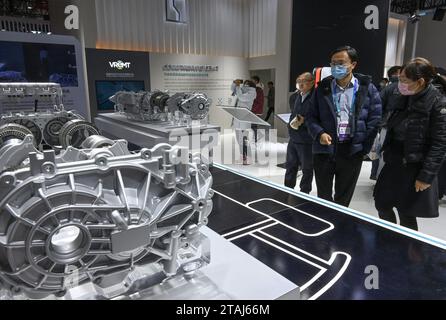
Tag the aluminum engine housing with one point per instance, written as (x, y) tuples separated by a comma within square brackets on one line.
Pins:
[(96, 214)]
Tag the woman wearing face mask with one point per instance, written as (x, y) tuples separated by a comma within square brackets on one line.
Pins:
[(414, 148), (245, 95)]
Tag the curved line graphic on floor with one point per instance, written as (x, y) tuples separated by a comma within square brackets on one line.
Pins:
[(325, 273), (329, 227)]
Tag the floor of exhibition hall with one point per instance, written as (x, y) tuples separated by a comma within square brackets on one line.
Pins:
[(362, 199), (309, 242)]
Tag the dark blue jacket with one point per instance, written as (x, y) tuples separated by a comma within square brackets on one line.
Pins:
[(292, 100), (322, 117), (302, 135)]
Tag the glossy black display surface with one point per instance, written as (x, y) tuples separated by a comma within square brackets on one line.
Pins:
[(323, 250)]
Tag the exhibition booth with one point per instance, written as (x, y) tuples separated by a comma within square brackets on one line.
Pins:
[(114, 179)]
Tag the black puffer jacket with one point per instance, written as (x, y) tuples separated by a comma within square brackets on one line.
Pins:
[(322, 117), (426, 130)]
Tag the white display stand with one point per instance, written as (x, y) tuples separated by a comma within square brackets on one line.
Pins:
[(284, 117)]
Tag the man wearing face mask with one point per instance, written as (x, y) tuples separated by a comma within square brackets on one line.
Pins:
[(414, 148), (343, 121), (299, 150), (245, 95), (383, 84)]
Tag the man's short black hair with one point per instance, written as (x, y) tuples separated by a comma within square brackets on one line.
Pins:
[(271, 83), (393, 71), (256, 78), (352, 53)]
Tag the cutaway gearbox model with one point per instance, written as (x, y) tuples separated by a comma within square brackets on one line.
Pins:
[(92, 215), (156, 105)]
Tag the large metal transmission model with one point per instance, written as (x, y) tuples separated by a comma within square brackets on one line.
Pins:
[(54, 128), (98, 216), (156, 105)]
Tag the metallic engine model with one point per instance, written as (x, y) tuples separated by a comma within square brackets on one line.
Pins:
[(98, 216), (36, 90), (56, 128), (46, 127), (155, 106), (75, 132)]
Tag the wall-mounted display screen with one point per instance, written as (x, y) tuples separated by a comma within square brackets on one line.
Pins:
[(38, 62), (106, 89)]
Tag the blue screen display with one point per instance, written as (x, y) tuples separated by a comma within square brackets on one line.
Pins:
[(38, 62)]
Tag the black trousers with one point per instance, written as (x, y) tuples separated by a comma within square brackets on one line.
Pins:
[(405, 221), (375, 168), (270, 112), (299, 155), (343, 169)]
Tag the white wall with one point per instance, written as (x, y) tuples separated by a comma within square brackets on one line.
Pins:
[(262, 28), (396, 39), (216, 27), (216, 86), (280, 61), (217, 30)]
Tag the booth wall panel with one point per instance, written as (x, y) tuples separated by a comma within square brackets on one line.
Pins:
[(243, 28)]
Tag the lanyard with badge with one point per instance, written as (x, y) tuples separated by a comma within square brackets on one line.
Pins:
[(344, 116)]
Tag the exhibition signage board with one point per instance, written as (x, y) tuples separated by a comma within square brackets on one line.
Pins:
[(110, 71)]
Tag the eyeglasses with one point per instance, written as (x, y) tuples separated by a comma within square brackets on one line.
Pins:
[(335, 64)]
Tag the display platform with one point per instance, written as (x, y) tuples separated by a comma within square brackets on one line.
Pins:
[(147, 135), (232, 274), (323, 248), (245, 115)]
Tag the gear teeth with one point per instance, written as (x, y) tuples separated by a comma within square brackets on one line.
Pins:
[(13, 131), (51, 136), (76, 126)]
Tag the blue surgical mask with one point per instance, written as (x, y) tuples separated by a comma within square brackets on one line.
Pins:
[(339, 72)]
